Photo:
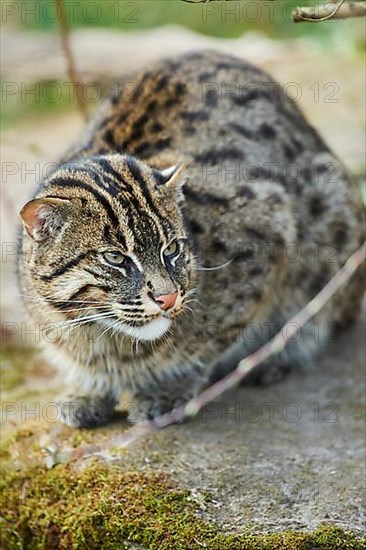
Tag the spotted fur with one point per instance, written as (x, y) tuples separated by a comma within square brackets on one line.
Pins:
[(209, 154)]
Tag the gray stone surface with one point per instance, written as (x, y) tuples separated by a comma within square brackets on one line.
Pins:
[(291, 455)]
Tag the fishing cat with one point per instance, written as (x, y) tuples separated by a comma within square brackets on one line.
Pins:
[(197, 213)]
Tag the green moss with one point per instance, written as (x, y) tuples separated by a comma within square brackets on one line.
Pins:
[(50, 97), (104, 507), (8, 442), (13, 360), (18, 364)]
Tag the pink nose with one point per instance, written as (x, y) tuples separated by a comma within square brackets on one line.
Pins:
[(166, 301)]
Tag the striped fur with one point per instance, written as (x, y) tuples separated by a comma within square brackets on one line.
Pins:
[(122, 194)]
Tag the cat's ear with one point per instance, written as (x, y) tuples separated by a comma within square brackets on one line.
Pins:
[(44, 217), (172, 177)]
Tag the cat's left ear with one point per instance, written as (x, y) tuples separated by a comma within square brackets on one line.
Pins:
[(171, 178), (44, 217)]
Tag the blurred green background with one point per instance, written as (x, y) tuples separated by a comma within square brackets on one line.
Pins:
[(224, 19), (272, 17)]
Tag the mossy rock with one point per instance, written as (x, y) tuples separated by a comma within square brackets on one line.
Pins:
[(89, 505), (104, 507)]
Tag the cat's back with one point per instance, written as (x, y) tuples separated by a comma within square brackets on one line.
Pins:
[(206, 106), (229, 120), (236, 128)]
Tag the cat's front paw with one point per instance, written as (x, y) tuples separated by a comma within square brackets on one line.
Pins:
[(148, 409), (150, 402), (86, 411)]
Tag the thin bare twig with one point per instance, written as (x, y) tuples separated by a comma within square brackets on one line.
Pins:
[(330, 10), (245, 366), (71, 67), (205, 1)]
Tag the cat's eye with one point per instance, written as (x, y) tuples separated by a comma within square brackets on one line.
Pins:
[(171, 251), (114, 258)]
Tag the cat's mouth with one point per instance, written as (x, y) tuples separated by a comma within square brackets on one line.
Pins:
[(152, 327), (146, 331), (150, 331), (150, 323)]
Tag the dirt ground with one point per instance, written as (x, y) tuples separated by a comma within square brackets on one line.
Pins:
[(289, 456)]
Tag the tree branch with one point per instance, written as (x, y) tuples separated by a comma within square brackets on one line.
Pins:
[(245, 366), (70, 63), (204, 1), (330, 10)]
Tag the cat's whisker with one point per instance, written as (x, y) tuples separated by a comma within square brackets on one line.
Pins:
[(191, 292), (137, 346), (187, 308), (83, 320), (215, 268), (116, 330), (86, 309), (167, 338), (51, 300), (73, 327), (113, 327), (192, 310), (193, 300), (91, 317), (132, 351)]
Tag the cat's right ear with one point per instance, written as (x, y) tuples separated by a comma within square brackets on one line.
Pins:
[(172, 178), (44, 217)]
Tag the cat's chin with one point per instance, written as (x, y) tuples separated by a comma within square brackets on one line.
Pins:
[(149, 332)]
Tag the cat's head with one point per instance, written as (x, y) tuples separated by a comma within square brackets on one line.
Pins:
[(105, 242)]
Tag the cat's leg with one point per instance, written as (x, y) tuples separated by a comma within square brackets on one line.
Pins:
[(167, 391), (85, 411), (91, 402), (268, 372), (298, 353)]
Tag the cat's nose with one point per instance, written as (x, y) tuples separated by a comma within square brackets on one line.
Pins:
[(166, 301)]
